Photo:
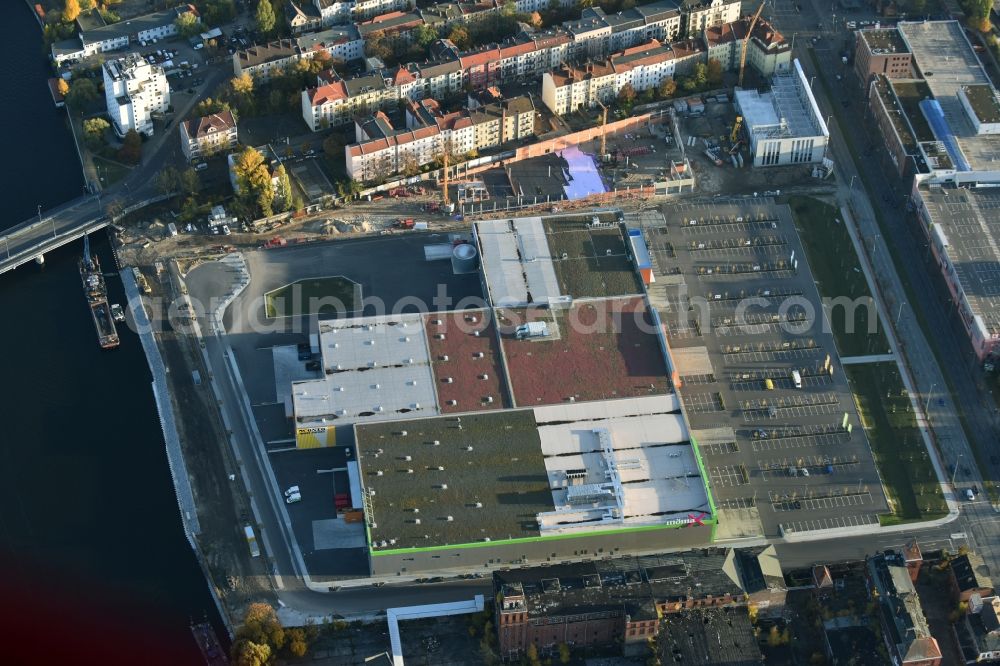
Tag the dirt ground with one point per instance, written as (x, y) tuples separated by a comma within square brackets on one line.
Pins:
[(223, 506)]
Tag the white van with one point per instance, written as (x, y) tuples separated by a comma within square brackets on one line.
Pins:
[(294, 490), (796, 379), (293, 498)]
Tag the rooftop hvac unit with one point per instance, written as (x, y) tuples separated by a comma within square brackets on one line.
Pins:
[(412, 382), (416, 405), (443, 486), (468, 448), (440, 468), (405, 338), (407, 458), (453, 402), (478, 355), (409, 470), (378, 473), (444, 357), (402, 433), (488, 399), (436, 322), (450, 519), (416, 521), (370, 343), (479, 505), (449, 380), (484, 376), (436, 442)]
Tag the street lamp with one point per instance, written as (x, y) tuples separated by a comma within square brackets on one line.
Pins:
[(900, 313), (930, 394), (955, 471), (853, 178)]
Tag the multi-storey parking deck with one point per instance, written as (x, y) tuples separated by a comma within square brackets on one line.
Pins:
[(762, 384)]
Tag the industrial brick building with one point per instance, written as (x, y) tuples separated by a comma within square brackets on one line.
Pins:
[(882, 53), (939, 130), (605, 601)]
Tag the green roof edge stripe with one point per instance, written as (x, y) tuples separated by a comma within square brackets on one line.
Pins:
[(710, 522), (704, 476)]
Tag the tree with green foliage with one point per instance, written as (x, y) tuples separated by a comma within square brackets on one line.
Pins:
[(626, 97), (131, 150), (265, 17), (977, 13), (217, 12), (713, 72), (348, 188), (564, 653), (667, 88), (166, 180), (187, 24), (188, 182), (377, 45), (460, 37), (81, 94), (283, 190), (93, 131), (699, 75), (424, 35), (87, 5), (71, 10), (208, 106)]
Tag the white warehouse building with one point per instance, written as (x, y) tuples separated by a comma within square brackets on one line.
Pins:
[(784, 125), (134, 90)]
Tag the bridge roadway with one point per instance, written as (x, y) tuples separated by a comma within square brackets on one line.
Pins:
[(28, 240)]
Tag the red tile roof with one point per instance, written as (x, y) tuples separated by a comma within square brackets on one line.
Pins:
[(328, 93)]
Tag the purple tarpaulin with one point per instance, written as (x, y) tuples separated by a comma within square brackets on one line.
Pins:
[(584, 178)]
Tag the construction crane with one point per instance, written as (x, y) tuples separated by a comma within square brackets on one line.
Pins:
[(736, 130), (746, 42), (604, 121)]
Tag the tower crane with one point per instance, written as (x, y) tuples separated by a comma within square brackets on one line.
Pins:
[(746, 42)]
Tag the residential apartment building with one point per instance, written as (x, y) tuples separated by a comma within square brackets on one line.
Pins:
[(904, 627), (568, 89), (134, 90), (335, 12), (342, 43), (208, 135), (767, 51), (601, 602), (882, 53), (302, 16), (701, 14), (398, 25), (382, 150), (95, 36)]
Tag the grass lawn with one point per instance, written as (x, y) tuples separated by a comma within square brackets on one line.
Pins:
[(110, 171), (886, 413), (837, 271), (329, 295), (911, 295)]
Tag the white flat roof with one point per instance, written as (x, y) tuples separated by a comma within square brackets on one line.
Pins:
[(652, 454), (375, 368), (517, 261)]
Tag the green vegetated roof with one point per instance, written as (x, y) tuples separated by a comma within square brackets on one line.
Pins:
[(504, 474)]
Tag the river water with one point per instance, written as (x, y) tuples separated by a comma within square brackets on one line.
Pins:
[(94, 566)]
